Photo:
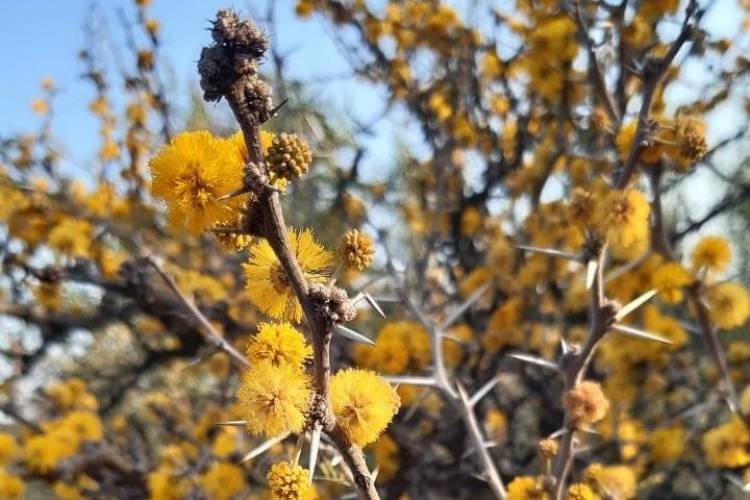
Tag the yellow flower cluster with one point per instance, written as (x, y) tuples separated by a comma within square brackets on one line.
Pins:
[(289, 481)]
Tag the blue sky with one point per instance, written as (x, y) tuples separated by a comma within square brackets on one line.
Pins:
[(42, 38)]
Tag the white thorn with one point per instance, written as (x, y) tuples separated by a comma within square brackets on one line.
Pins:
[(314, 449), (634, 304), (476, 295), (265, 445), (639, 334), (535, 361), (374, 304), (482, 392), (353, 335), (591, 267), (410, 380), (233, 423), (549, 251)]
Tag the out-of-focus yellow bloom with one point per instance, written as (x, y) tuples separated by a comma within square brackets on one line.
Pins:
[(727, 444), (669, 280), (667, 444), (712, 253), (729, 305), (222, 481)]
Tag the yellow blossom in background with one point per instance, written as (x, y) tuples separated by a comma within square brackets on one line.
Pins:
[(712, 253), (667, 444), (289, 481), (39, 106), (222, 481), (363, 403), (526, 488), (727, 445), (669, 280), (615, 481), (11, 487), (190, 174), (72, 237), (266, 282), (581, 491), (624, 220), (729, 305), (274, 399), (279, 344), (385, 451)]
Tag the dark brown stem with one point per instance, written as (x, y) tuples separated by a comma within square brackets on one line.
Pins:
[(321, 329)]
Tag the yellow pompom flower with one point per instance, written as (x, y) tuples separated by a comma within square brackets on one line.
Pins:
[(274, 398), (712, 253), (364, 404), (669, 280), (266, 281), (222, 481), (279, 344), (624, 220), (8, 447), (729, 305), (71, 237), (289, 481), (190, 174)]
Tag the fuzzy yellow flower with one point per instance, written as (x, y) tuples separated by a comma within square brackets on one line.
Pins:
[(624, 220), (729, 305), (222, 481), (279, 344), (712, 253), (8, 447), (364, 404), (266, 281), (190, 174), (274, 398), (289, 481), (669, 280)]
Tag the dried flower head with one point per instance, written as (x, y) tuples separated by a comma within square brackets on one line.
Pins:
[(274, 398), (289, 481), (357, 249), (585, 404), (363, 403), (690, 132)]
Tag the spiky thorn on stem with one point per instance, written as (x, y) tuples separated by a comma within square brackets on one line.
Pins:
[(228, 70)]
